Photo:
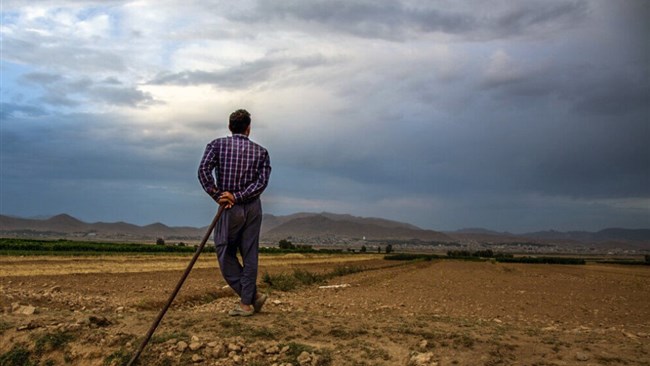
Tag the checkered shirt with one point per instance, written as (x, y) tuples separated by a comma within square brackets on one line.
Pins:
[(241, 166)]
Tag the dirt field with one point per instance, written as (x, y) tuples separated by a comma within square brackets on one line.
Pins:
[(94, 311)]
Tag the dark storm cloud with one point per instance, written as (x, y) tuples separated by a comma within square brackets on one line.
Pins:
[(395, 20), (87, 147)]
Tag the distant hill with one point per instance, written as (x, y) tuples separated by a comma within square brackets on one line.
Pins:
[(64, 225), (321, 227), (303, 225), (312, 226)]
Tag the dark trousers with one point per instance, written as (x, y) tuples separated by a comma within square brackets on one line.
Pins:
[(239, 230)]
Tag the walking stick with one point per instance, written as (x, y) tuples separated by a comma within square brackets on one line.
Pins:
[(178, 287)]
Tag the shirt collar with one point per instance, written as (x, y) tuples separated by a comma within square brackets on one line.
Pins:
[(240, 135)]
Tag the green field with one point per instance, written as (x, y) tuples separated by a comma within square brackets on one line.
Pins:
[(11, 246)]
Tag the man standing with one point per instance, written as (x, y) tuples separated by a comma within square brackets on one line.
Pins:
[(242, 168)]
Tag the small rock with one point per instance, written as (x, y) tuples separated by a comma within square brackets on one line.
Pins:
[(304, 358), (234, 347), (197, 358), (422, 359), (99, 321), (284, 349), (276, 302), (273, 350), (236, 359), (630, 335), (581, 356), (195, 338), (55, 289), (27, 310), (213, 344), (181, 346), (29, 326), (423, 344), (119, 309), (195, 346), (219, 352)]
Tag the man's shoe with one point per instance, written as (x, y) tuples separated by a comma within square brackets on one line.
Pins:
[(259, 302), (238, 311)]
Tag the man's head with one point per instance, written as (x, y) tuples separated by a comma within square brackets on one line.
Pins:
[(240, 121)]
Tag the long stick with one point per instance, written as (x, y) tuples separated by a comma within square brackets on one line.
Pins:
[(178, 287)]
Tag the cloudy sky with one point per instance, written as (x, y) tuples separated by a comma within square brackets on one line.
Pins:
[(508, 115)]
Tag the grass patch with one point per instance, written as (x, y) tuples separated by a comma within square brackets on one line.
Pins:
[(282, 281), (300, 277), (12, 246), (411, 257), (52, 342), (120, 357), (339, 271), (4, 326), (541, 260), (307, 278), (19, 355)]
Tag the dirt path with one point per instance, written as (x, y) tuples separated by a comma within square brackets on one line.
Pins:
[(423, 313)]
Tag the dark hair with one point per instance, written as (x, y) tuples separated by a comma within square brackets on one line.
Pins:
[(239, 121)]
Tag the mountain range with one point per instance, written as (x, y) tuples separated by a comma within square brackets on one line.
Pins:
[(315, 227)]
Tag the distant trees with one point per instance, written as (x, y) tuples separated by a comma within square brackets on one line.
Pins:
[(286, 244), (647, 258), (160, 241), (389, 248), (363, 249)]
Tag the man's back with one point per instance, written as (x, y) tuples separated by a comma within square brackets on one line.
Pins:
[(241, 166)]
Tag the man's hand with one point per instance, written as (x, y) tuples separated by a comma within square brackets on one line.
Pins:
[(226, 199)]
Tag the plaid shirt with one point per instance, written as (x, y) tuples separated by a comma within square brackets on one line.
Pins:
[(242, 168)]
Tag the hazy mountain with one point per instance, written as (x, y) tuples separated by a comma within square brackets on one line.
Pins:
[(305, 225), (317, 226), (332, 225), (64, 225)]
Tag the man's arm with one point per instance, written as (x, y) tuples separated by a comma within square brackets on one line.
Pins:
[(259, 185), (208, 163)]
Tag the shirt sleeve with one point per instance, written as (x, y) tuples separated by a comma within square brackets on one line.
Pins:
[(259, 185), (206, 167)]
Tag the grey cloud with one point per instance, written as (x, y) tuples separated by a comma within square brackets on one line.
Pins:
[(395, 21), (67, 92), (8, 110), (41, 77), (243, 76), (524, 16), (60, 54), (122, 96)]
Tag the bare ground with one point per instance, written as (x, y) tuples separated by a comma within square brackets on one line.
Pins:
[(393, 313)]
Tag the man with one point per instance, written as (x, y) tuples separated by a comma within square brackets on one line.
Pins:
[(242, 168)]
